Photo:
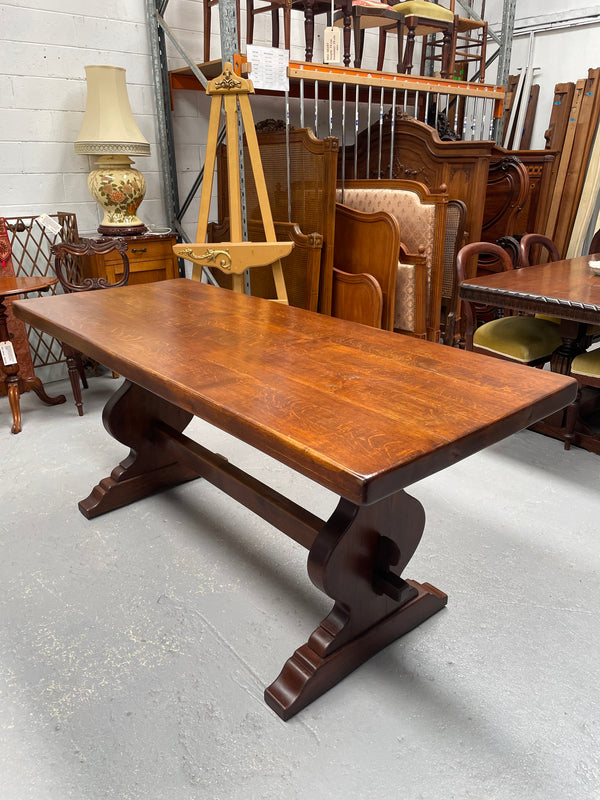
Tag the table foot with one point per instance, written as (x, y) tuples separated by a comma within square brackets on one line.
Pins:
[(307, 676), (35, 385), (130, 416), (357, 559)]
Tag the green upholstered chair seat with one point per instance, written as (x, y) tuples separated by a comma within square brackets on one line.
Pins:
[(587, 364), (523, 339), (421, 8), (591, 330)]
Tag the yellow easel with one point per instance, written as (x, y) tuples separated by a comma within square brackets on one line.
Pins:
[(236, 256)]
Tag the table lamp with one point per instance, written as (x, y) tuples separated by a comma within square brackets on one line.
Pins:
[(110, 132)]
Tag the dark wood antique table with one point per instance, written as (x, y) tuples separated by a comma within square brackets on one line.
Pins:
[(362, 412), (566, 289), (14, 384)]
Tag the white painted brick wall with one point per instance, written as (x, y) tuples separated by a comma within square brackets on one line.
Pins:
[(46, 46)]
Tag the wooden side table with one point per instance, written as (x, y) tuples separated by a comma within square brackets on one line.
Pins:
[(151, 258), (14, 385)]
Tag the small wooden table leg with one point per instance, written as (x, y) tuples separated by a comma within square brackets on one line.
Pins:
[(351, 561), (12, 390), (17, 385)]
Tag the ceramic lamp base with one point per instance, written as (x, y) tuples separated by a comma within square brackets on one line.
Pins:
[(118, 189)]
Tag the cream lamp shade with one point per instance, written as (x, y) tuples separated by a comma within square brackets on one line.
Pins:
[(110, 132)]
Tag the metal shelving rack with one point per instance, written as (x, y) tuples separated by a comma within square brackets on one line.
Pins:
[(159, 32)]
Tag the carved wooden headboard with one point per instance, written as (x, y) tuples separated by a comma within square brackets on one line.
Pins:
[(313, 168), (418, 153)]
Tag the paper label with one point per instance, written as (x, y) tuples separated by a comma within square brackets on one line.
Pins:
[(269, 67), (332, 46), (50, 224), (7, 353)]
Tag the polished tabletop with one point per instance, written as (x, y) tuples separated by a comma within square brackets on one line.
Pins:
[(10, 286), (569, 289), (362, 411)]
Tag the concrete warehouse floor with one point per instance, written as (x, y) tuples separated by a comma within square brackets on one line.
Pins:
[(135, 648)]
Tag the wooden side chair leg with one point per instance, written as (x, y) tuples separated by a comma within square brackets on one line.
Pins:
[(358, 43), (206, 23), (81, 370), (287, 27), (71, 356), (275, 27), (446, 54), (249, 21), (347, 33), (409, 52), (309, 30), (381, 51)]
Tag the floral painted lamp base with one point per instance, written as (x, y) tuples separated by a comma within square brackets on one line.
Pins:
[(118, 189)]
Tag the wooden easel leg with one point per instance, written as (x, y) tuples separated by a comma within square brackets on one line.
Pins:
[(130, 416), (351, 561)]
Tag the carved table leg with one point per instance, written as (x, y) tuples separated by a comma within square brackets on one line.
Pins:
[(351, 561), (573, 344), (130, 416)]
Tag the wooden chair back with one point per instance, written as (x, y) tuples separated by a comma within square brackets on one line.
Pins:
[(468, 46), (63, 266), (535, 243), (67, 272), (464, 255)]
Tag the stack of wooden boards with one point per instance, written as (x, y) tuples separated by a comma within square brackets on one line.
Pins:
[(512, 97), (573, 132)]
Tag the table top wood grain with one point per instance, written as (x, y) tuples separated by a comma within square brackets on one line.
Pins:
[(10, 286), (569, 289), (361, 411)]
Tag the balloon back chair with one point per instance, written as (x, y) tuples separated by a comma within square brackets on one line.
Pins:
[(63, 265), (526, 340)]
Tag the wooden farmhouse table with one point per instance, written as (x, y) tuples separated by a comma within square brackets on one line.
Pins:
[(568, 290), (362, 412)]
